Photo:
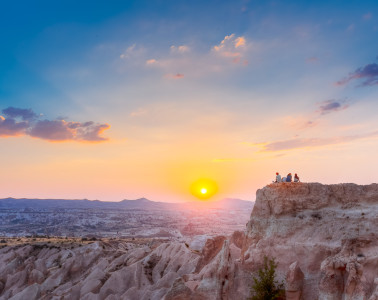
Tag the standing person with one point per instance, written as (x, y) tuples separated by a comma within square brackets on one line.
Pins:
[(296, 178), (278, 177), (288, 177)]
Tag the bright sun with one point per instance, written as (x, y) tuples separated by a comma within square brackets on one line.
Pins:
[(204, 188)]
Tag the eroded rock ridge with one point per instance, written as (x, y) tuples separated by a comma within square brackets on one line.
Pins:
[(324, 238)]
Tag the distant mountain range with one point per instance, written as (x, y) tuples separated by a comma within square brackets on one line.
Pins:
[(140, 204)]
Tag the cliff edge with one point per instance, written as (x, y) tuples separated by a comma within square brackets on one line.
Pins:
[(329, 231), (324, 238)]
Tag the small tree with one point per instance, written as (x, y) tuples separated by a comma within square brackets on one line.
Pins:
[(265, 287)]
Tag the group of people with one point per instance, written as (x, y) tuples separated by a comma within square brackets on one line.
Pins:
[(288, 178)]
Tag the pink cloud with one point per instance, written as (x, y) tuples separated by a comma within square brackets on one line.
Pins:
[(298, 143), (174, 76)]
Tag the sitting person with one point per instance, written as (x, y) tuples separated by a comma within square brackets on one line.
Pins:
[(288, 177), (283, 179), (296, 178), (278, 177)]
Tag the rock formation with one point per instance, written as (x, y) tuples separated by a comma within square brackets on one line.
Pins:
[(294, 282), (331, 231), (324, 238)]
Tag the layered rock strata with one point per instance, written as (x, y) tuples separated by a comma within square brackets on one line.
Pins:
[(324, 238)]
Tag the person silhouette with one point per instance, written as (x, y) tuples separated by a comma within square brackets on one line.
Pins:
[(288, 177), (278, 177), (296, 178)]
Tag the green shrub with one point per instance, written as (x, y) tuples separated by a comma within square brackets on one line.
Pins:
[(264, 286)]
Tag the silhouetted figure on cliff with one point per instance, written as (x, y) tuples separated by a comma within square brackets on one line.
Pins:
[(288, 177), (296, 178), (278, 177)]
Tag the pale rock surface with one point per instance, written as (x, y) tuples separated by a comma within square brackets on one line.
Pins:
[(330, 230), (294, 282), (324, 238)]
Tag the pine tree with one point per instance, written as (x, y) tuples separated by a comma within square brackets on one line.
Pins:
[(265, 287)]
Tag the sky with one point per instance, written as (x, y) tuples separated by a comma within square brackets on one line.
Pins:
[(115, 100)]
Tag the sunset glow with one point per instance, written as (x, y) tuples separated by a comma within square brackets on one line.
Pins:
[(142, 98), (204, 188)]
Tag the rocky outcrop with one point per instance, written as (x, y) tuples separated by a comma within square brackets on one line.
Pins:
[(324, 238), (329, 230), (294, 282)]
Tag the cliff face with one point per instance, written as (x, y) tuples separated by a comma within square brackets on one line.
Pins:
[(330, 231), (324, 238)]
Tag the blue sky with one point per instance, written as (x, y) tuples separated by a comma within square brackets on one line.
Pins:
[(197, 82)]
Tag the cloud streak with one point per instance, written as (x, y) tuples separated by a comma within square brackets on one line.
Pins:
[(330, 106), (368, 74), (302, 143), (50, 130)]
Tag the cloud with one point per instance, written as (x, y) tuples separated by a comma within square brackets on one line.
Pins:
[(150, 62), (174, 76), (303, 122), (132, 52), (300, 122), (25, 114), (329, 106), (181, 59), (297, 143), (180, 49), (51, 130), (368, 73), (231, 47), (138, 112), (10, 127)]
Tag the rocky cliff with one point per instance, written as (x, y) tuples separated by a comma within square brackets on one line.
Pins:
[(329, 231), (324, 238)]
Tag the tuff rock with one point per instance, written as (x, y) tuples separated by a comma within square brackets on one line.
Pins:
[(324, 238)]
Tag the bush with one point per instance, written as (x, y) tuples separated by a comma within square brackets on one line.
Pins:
[(265, 287)]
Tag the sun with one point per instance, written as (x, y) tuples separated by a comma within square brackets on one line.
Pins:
[(204, 188)]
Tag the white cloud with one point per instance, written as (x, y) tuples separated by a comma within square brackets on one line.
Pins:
[(232, 47), (133, 51)]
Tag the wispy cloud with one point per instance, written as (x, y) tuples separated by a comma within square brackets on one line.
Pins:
[(232, 47), (174, 76), (181, 59), (150, 62), (297, 143), (133, 51), (51, 130), (180, 49), (368, 73), (313, 119), (332, 105)]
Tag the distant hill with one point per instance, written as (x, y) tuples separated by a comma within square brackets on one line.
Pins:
[(140, 204)]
